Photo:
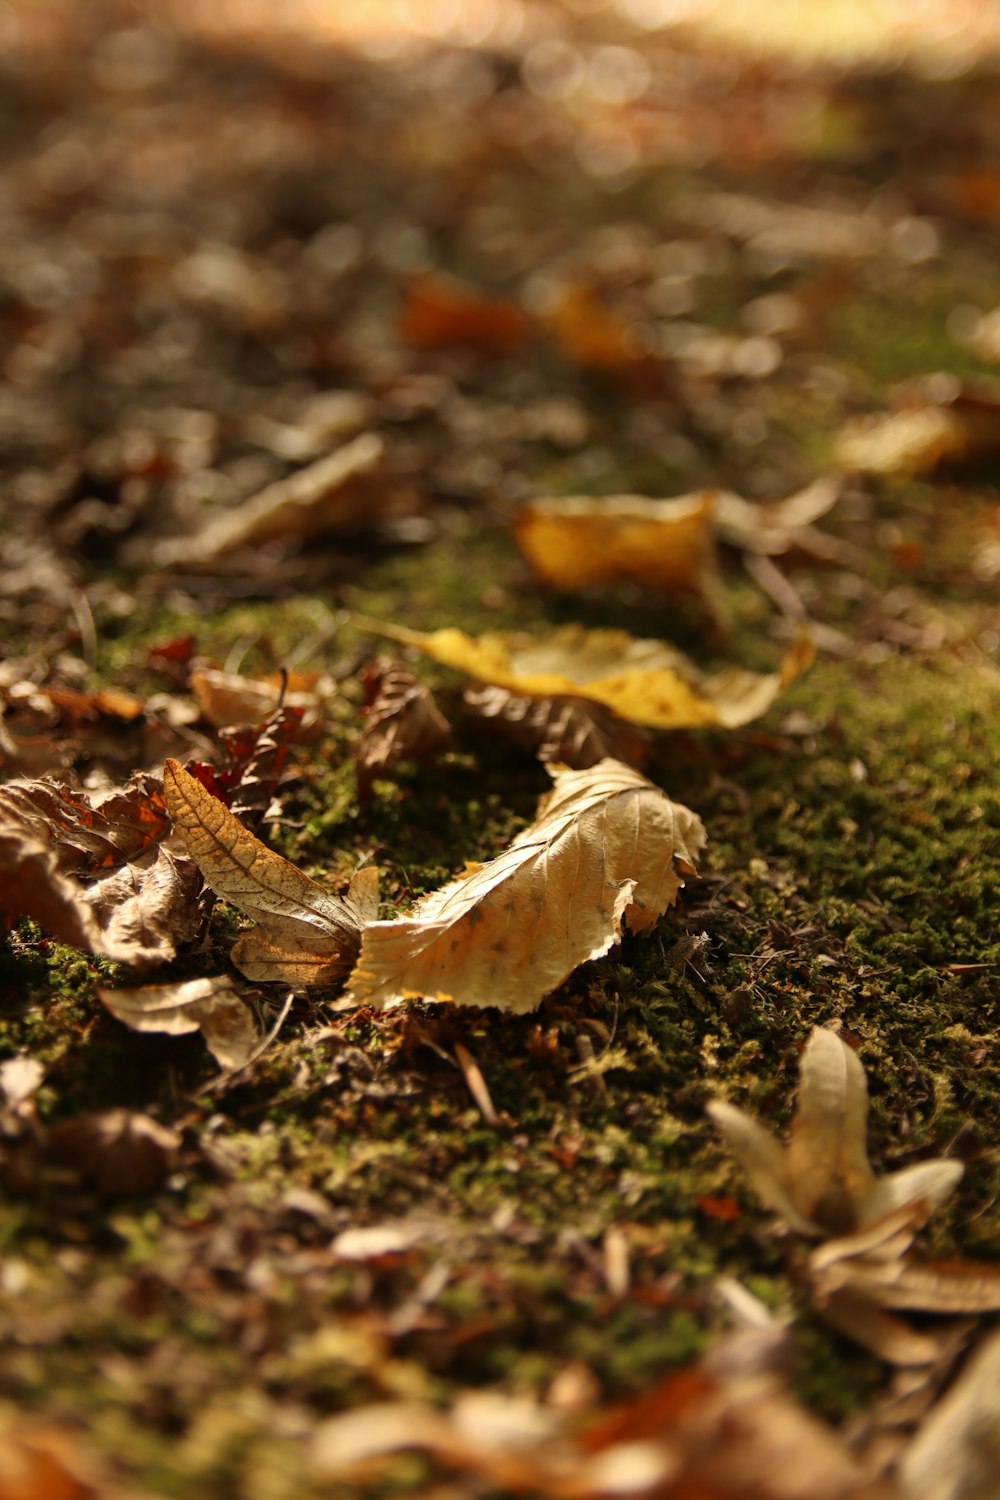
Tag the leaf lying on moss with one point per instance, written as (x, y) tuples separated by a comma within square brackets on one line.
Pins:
[(403, 723), (226, 698), (823, 1183), (574, 541), (941, 420), (570, 731), (647, 682), (607, 845), (210, 1006), (94, 870), (119, 1151), (304, 935), (440, 312)]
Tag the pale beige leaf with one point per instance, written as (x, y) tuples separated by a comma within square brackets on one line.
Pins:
[(771, 527), (606, 843), (763, 1158), (335, 493), (645, 681), (210, 1006), (574, 540), (933, 1181), (823, 1184), (956, 1453), (305, 935), (827, 1159)]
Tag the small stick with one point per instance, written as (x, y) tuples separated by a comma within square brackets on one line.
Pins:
[(476, 1084)]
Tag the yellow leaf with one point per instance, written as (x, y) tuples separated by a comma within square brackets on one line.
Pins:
[(576, 541), (304, 935), (607, 845), (647, 682)]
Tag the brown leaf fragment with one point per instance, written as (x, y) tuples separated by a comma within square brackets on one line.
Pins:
[(644, 681), (607, 845), (45, 1460), (403, 723), (956, 1453), (119, 1151), (94, 869), (575, 541), (334, 494), (602, 338), (440, 312), (304, 935), (211, 1006), (570, 731), (823, 1184)]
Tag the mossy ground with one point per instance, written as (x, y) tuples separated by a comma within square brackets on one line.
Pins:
[(851, 875)]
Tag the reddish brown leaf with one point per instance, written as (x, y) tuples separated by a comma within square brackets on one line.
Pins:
[(440, 313), (403, 723)]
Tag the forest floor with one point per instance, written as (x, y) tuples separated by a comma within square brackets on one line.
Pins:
[(204, 238)]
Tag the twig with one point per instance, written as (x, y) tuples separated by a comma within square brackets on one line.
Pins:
[(476, 1084)]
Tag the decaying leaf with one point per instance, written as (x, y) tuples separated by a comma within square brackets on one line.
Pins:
[(335, 494), (599, 337), (304, 934), (956, 1453), (724, 1430), (570, 731), (96, 871), (227, 698), (403, 723), (938, 421), (440, 312), (119, 1151), (45, 1460), (647, 682), (211, 1006), (575, 541), (823, 1183), (607, 845)]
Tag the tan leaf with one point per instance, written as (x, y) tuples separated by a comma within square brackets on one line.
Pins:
[(571, 731), (954, 1456), (941, 420), (823, 1184), (227, 698), (575, 541), (210, 1006), (607, 844), (304, 934), (647, 682), (403, 723), (333, 494), (94, 870)]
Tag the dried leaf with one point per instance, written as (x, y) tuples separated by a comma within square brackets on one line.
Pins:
[(574, 541), (956, 1453), (601, 338), (94, 870), (304, 934), (403, 723), (332, 495), (120, 1152), (724, 1430), (647, 682), (440, 312), (570, 731), (822, 1184), (939, 421), (607, 844), (211, 1006), (226, 698), (45, 1460)]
